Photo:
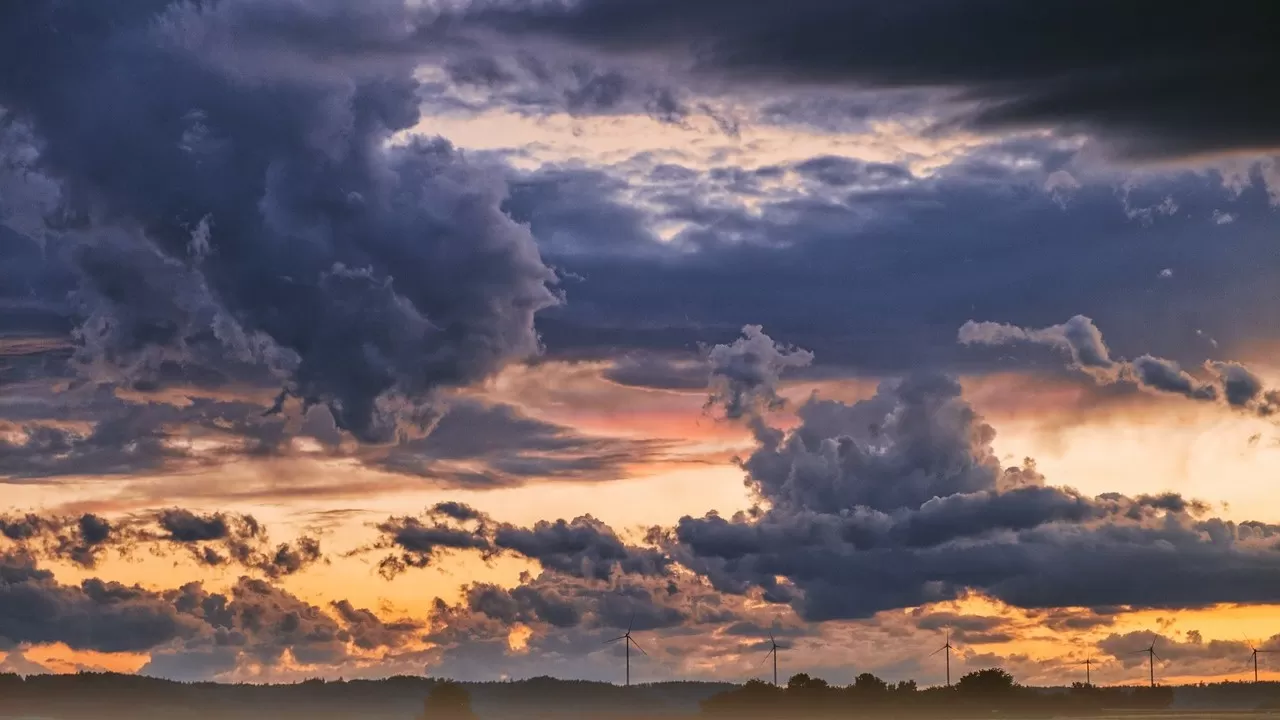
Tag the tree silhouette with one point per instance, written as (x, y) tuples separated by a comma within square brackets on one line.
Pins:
[(869, 684), (448, 701), (802, 681), (985, 683)]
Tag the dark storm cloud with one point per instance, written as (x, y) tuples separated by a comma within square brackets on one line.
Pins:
[(1074, 619), (95, 615), (478, 79), (132, 441), (583, 547), (1154, 78), (879, 279), (958, 622), (95, 430), (233, 199), (259, 623), (1238, 386), (578, 211), (254, 622)]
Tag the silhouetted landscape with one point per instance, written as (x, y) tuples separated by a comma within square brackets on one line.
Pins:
[(985, 693)]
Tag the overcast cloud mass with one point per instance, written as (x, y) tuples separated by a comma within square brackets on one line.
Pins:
[(362, 338)]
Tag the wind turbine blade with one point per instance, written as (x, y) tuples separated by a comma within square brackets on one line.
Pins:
[(636, 645), (1154, 655), (620, 637), (631, 623), (935, 652), (765, 659)]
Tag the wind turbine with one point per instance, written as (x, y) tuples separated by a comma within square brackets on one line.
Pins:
[(773, 650), (1153, 657), (947, 647), (1255, 657), (1088, 664), (628, 641)]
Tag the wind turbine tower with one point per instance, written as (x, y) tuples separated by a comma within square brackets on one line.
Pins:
[(948, 648), (773, 650), (1255, 658), (628, 641), (1152, 657), (1088, 665)]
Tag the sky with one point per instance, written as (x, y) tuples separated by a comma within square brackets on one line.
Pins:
[(354, 339)]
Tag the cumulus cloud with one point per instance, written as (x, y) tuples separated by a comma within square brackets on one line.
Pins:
[(215, 539), (189, 632), (583, 547), (80, 539), (1231, 382), (95, 615), (899, 501), (744, 374), (1189, 652), (1078, 336), (564, 621), (419, 542), (259, 625), (237, 201)]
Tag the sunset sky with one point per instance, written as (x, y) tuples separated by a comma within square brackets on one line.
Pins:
[(352, 338)]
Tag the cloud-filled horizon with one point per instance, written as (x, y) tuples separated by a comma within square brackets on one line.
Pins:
[(357, 339)]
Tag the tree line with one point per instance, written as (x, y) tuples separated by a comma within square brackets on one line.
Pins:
[(980, 693)]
